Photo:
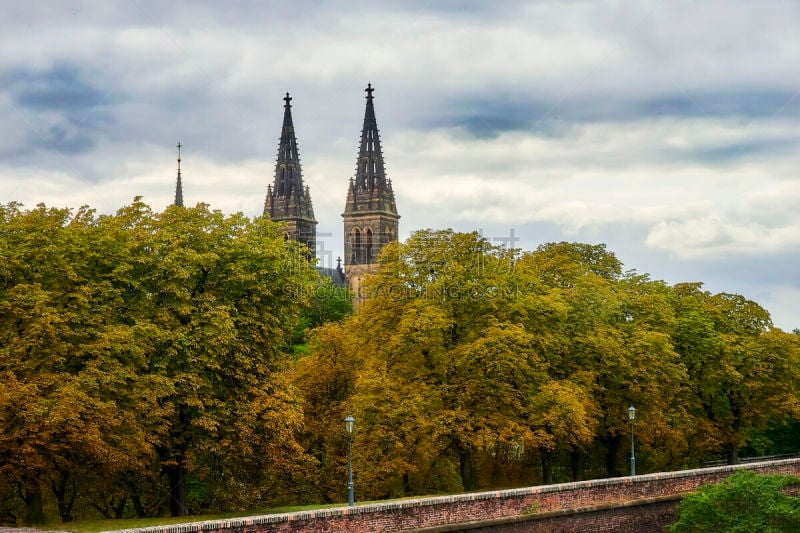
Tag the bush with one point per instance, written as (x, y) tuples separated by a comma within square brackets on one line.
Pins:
[(744, 502)]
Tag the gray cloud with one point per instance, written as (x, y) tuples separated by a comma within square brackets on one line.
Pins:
[(64, 111), (666, 131)]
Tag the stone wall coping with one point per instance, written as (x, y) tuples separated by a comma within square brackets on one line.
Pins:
[(233, 523)]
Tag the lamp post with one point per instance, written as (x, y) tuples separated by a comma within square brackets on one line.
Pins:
[(631, 417), (349, 425)]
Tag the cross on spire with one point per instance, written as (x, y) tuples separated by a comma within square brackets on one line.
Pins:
[(287, 99), (369, 90), (179, 155)]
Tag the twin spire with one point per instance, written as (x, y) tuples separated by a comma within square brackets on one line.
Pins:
[(288, 200), (370, 171), (370, 216), (370, 190)]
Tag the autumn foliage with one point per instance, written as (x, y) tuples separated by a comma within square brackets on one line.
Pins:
[(147, 367)]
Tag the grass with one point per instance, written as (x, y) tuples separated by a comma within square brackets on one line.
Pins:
[(93, 526), (110, 524)]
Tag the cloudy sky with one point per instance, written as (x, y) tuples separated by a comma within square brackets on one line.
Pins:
[(667, 130)]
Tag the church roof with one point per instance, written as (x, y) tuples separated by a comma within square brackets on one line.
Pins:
[(336, 275)]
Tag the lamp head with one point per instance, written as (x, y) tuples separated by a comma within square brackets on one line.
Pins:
[(349, 424), (631, 412)]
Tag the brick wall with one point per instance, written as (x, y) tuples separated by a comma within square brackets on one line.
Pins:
[(604, 504)]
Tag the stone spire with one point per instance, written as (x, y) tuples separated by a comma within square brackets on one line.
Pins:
[(179, 185), (371, 190), (287, 200), (370, 214)]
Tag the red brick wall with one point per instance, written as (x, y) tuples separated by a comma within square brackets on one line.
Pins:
[(607, 504)]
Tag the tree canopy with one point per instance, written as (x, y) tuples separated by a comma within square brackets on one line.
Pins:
[(144, 346), (147, 367)]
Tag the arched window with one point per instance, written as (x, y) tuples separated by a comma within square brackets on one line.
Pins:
[(368, 250), (357, 258)]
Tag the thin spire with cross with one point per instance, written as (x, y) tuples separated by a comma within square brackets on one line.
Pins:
[(179, 185), (369, 90)]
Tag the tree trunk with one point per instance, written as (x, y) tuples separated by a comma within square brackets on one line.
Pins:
[(733, 454), (138, 508), (578, 463), (612, 455), (176, 474), (32, 496), (466, 468), (65, 491), (547, 467), (119, 508)]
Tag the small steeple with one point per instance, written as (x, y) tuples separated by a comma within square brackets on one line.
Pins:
[(179, 185)]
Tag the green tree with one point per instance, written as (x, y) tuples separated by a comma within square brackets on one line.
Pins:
[(66, 363), (743, 502), (325, 303), (608, 333), (143, 344), (743, 373), (326, 381), (219, 297)]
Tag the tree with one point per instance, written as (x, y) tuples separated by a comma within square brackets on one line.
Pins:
[(219, 297), (743, 372), (326, 380), (325, 303), (141, 341), (743, 502), (66, 364), (606, 333)]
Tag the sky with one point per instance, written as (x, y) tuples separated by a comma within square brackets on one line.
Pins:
[(668, 131)]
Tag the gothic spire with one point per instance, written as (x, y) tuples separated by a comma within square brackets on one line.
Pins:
[(288, 197), (370, 214), (370, 170), (370, 189), (288, 200), (287, 149), (179, 185)]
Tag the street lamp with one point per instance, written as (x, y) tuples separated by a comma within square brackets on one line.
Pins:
[(631, 417), (349, 425)]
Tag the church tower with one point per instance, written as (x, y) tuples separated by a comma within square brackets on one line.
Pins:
[(288, 201), (370, 215)]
